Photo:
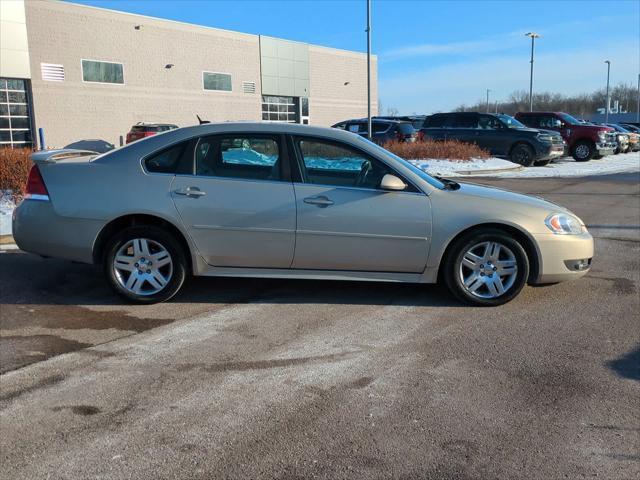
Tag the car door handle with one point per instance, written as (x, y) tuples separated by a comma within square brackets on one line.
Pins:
[(190, 192), (320, 201)]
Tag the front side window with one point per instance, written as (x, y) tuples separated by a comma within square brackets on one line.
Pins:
[(246, 157), (216, 81), (327, 163), (102, 72), (172, 160), (488, 122)]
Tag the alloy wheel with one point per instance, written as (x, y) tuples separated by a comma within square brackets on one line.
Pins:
[(143, 266), (488, 270)]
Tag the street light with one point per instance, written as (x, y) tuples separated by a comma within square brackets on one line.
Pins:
[(533, 36), (369, 69), (488, 100), (608, 101)]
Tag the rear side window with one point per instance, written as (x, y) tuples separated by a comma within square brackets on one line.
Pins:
[(465, 121), (436, 121), (243, 157), (175, 159), (379, 127)]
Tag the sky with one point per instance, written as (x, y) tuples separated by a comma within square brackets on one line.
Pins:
[(435, 55)]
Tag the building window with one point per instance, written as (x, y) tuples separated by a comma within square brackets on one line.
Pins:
[(102, 72), (280, 109), (216, 81), (15, 122)]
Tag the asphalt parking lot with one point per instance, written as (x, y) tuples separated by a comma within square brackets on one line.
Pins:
[(305, 379)]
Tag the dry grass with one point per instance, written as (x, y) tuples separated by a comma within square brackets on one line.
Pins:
[(444, 150), (14, 169)]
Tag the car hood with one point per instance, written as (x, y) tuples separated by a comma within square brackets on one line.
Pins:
[(510, 199)]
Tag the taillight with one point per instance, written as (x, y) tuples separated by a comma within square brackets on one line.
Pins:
[(36, 189)]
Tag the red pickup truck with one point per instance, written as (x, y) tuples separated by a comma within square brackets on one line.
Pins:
[(584, 141)]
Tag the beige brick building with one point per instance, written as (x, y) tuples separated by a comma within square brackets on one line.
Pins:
[(84, 73)]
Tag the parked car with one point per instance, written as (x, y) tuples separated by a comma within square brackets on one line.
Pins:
[(500, 134), (416, 120), (383, 130), (633, 139), (631, 127), (584, 141), (288, 201), (143, 130)]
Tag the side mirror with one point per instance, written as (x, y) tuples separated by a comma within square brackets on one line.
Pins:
[(391, 182)]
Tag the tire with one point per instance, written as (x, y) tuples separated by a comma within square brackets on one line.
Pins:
[(542, 163), (137, 250), (522, 154), (457, 270), (583, 151)]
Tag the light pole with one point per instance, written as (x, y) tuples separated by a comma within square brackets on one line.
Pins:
[(638, 111), (608, 100), (488, 100), (533, 36), (369, 69)]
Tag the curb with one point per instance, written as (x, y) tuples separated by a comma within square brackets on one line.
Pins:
[(6, 240)]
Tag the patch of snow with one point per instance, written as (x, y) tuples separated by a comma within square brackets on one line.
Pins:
[(455, 168), (563, 167), (7, 205)]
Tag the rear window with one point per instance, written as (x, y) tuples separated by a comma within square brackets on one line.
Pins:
[(406, 128)]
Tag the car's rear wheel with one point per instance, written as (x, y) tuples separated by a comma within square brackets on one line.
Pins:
[(523, 155), (486, 268), (145, 264), (583, 151)]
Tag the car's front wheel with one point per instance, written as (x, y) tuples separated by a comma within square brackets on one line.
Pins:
[(486, 268), (583, 151), (523, 155), (145, 264)]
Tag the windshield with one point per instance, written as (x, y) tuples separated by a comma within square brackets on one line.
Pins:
[(569, 119), (510, 121), (421, 173)]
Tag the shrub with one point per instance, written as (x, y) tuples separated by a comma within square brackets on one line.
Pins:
[(430, 149), (14, 169)]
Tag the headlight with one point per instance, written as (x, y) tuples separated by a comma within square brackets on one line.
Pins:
[(564, 224), (602, 135)]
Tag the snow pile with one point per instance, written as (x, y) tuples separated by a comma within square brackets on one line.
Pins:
[(563, 167), (454, 168), (7, 205)]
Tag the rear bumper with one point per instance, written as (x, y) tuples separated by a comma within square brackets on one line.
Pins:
[(563, 257), (38, 229)]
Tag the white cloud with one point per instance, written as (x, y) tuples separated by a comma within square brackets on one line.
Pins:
[(444, 87)]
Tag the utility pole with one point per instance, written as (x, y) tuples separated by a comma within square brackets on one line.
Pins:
[(638, 110), (607, 106), (369, 69), (533, 36), (487, 108)]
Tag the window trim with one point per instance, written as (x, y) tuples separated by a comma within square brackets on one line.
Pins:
[(301, 169), (101, 61), (217, 73)]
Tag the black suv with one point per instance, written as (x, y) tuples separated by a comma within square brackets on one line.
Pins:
[(500, 134), (383, 130)]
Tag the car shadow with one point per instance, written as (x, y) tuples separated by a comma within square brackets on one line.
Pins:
[(628, 365), (29, 279)]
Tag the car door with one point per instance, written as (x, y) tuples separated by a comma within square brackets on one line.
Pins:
[(436, 127), (239, 206), (346, 222), (465, 128), (493, 135)]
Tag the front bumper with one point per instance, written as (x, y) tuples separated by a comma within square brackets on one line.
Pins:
[(563, 257), (605, 148), (551, 151)]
